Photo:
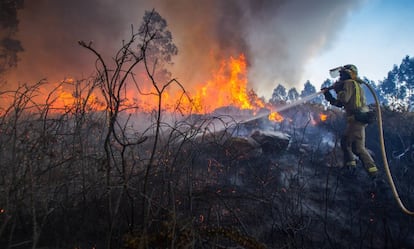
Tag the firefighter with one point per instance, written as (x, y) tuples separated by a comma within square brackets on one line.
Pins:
[(351, 97)]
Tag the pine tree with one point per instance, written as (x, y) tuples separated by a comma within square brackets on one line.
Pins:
[(398, 87), (278, 95), (292, 95), (308, 89)]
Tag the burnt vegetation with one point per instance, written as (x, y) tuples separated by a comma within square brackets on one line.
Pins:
[(104, 174)]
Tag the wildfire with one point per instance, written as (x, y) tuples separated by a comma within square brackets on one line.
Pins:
[(228, 86), (65, 99)]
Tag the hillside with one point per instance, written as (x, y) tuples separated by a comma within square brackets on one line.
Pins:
[(209, 182)]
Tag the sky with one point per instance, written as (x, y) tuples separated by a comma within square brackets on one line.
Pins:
[(376, 36), (285, 42)]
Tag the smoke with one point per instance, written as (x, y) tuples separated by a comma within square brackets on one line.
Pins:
[(9, 47), (278, 37), (50, 30)]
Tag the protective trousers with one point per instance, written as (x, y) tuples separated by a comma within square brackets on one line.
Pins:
[(353, 142)]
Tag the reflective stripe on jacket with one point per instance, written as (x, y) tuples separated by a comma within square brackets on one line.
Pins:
[(352, 96)]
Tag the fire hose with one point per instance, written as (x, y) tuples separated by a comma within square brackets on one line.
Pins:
[(381, 139), (336, 72), (384, 156)]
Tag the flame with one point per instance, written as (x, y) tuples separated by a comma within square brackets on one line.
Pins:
[(228, 86), (66, 100), (275, 116), (323, 117)]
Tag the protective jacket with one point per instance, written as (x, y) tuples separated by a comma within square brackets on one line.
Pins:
[(351, 96)]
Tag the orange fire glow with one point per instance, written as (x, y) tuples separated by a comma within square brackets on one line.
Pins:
[(65, 99), (274, 116), (323, 117), (228, 86)]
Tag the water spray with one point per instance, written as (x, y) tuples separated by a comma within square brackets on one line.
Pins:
[(285, 107), (335, 73)]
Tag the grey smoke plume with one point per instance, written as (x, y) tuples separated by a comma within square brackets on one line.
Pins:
[(277, 36), (9, 47)]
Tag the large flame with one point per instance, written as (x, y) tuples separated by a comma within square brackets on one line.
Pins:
[(228, 86)]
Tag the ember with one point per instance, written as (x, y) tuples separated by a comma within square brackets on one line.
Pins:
[(323, 117)]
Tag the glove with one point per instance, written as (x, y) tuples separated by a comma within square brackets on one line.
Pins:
[(324, 89), (328, 95), (337, 103), (331, 99)]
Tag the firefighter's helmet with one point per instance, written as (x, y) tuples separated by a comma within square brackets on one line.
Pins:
[(351, 68)]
